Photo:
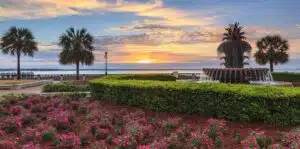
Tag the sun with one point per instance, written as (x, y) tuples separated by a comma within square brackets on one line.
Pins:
[(147, 61)]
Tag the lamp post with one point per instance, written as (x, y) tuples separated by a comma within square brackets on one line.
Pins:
[(105, 57)]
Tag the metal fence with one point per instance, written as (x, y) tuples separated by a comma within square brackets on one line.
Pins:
[(31, 76)]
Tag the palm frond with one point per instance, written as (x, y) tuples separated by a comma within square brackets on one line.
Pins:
[(77, 46), (19, 40), (272, 48)]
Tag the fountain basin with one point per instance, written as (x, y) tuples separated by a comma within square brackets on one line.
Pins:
[(272, 83), (238, 75)]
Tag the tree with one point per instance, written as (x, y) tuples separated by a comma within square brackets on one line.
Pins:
[(17, 41), (233, 48), (272, 50), (77, 47)]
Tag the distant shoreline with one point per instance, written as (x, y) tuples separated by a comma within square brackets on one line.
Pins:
[(149, 69), (37, 69)]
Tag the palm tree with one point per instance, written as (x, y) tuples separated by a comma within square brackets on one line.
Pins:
[(273, 50), (77, 47), (17, 41), (233, 48)]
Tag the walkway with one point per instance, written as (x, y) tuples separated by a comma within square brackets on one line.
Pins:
[(32, 90)]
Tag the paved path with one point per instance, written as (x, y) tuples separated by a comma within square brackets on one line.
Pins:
[(31, 90)]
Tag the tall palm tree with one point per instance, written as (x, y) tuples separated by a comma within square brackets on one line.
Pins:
[(77, 47), (233, 48), (272, 50), (17, 41)]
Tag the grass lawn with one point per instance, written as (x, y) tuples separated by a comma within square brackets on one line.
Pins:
[(14, 82)]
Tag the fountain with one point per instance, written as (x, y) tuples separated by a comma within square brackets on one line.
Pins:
[(254, 76), (239, 75)]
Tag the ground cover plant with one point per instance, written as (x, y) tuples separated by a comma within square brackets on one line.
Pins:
[(36, 122), (275, 105)]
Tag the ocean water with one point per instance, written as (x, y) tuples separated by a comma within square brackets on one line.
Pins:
[(53, 72), (119, 71)]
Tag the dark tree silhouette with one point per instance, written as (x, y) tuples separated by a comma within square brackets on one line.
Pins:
[(77, 48), (233, 48), (272, 50), (17, 41)]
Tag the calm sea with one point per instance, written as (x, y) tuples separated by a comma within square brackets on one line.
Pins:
[(50, 72), (131, 71)]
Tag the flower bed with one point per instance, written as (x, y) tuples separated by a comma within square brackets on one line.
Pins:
[(276, 105), (37, 122)]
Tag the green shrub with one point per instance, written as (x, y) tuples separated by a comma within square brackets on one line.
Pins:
[(287, 77), (154, 77), (65, 87), (276, 105)]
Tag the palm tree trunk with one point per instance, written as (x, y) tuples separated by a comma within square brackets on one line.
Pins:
[(18, 65), (77, 70), (271, 66)]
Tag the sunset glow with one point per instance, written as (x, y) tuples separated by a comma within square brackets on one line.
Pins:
[(144, 61), (149, 31)]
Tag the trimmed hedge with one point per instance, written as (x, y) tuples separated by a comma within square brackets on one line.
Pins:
[(287, 77), (154, 77), (276, 105), (65, 87)]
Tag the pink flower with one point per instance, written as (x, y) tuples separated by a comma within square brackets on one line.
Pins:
[(200, 140), (19, 122), (69, 140), (2, 133), (7, 144), (144, 147), (16, 110), (125, 141), (30, 145), (60, 116)]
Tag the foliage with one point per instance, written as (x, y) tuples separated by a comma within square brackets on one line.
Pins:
[(77, 48), (276, 105), (273, 50), (154, 77), (234, 47), (286, 76), (110, 126), (17, 41), (65, 87)]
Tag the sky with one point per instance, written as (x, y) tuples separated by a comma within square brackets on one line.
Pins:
[(165, 33)]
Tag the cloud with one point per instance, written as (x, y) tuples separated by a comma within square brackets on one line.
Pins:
[(45, 46), (153, 9), (29, 9), (298, 25)]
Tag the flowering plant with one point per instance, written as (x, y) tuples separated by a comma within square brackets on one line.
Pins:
[(257, 139), (68, 140), (7, 144), (11, 124), (125, 142), (200, 140), (30, 145)]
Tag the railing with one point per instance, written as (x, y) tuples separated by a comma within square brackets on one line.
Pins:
[(56, 77)]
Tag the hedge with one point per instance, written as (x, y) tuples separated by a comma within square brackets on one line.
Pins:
[(285, 76), (154, 77), (275, 105), (65, 87)]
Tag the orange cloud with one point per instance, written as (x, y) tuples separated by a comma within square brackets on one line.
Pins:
[(34, 9)]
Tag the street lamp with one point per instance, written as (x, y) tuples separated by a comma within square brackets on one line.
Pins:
[(105, 57)]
